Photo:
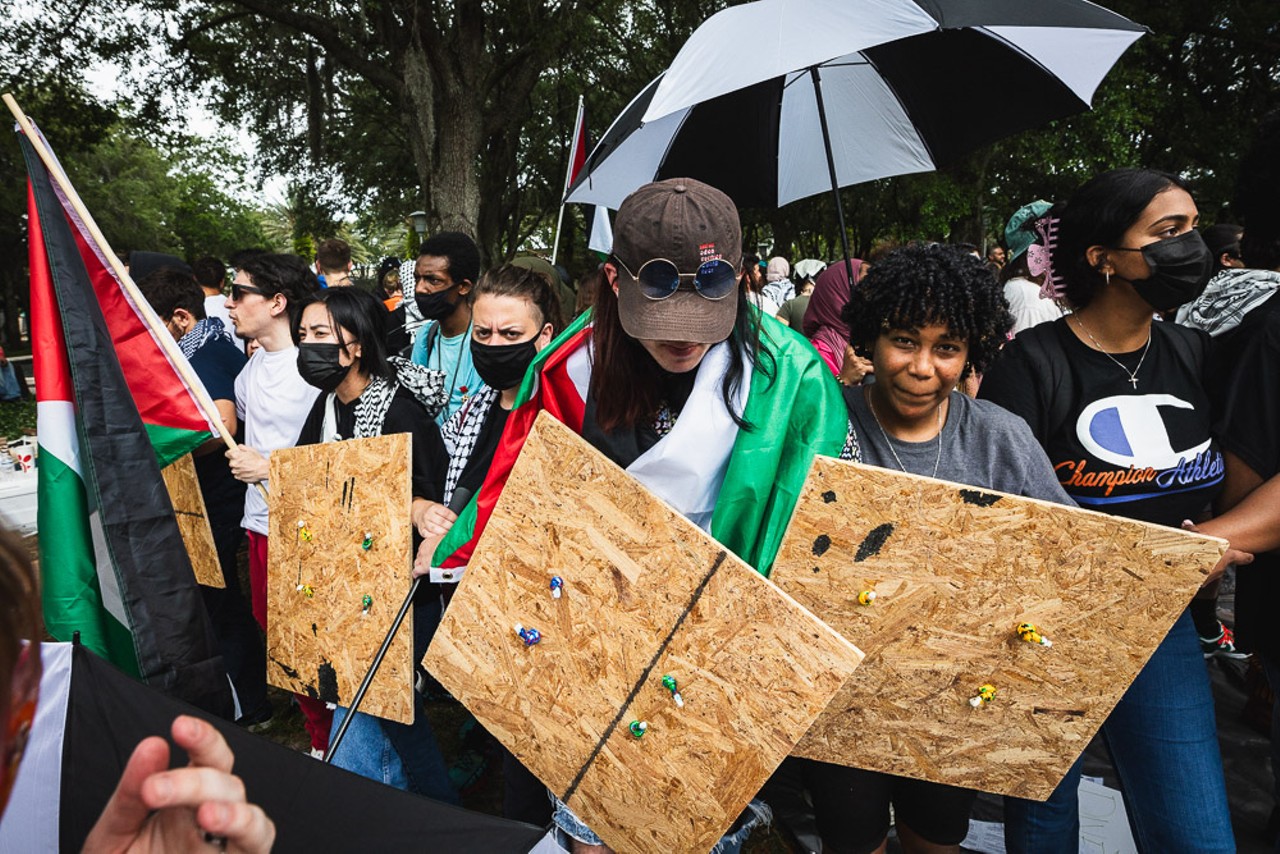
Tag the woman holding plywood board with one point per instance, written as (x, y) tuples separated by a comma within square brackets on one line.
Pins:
[(927, 316), (341, 350), (1119, 406), (714, 408)]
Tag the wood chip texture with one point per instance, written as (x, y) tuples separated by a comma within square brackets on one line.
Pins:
[(955, 570), (188, 507), (321, 644), (646, 594)]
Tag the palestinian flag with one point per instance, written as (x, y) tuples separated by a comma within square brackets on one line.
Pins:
[(113, 562), (91, 716), (792, 404)]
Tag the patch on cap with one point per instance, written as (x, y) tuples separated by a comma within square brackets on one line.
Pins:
[(707, 252)]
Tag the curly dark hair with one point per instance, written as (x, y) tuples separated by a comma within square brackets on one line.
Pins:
[(919, 285)]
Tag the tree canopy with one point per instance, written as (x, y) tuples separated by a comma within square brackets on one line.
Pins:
[(465, 109)]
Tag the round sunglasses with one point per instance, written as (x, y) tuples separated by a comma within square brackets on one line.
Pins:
[(659, 278)]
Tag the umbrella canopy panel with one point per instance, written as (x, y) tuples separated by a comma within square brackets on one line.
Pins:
[(908, 105), (788, 35)]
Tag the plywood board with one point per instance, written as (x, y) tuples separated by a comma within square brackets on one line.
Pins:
[(645, 594), (955, 570), (188, 507), (320, 638)]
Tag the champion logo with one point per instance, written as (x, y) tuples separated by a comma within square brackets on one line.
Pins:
[(1128, 431)]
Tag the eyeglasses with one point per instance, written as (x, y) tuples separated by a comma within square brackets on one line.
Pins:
[(238, 292), (659, 278)]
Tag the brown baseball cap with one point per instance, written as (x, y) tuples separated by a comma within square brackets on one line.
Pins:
[(689, 223)]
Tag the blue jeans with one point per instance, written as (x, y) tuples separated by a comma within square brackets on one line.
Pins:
[(569, 827), (1164, 744), (404, 756)]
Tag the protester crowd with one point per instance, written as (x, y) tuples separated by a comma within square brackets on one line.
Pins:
[(1106, 354)]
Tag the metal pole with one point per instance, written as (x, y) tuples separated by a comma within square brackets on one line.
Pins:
[(831, 168), (568, 176), (456, 504)]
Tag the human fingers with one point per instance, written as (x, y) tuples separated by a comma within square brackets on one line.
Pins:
[(126, 813), (245, 826), (190, 787), (203, 743)]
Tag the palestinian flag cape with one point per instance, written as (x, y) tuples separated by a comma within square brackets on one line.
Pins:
[(114, 566), (792, 403)]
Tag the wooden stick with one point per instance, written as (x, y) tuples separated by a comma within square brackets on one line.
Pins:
[(150, 318)]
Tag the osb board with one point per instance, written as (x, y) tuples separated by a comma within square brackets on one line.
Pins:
[(322, 644), (955, 570), (646, 594), (188, 507)]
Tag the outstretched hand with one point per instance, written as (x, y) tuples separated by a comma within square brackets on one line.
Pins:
[(1232, 556), (201, 807)]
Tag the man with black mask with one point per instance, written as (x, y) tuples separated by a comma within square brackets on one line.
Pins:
[(447, 267)]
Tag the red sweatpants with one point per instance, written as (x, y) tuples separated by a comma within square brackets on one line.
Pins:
[(319, 717)]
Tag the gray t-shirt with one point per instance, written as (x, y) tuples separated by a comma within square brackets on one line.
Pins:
[(983, 445)]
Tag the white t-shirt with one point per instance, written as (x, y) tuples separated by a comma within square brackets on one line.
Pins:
[(272, 402), (216, 306), (1027, 306)]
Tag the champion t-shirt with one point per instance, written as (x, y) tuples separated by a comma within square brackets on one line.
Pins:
[(1144, 452)]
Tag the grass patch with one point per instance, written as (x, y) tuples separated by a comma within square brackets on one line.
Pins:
[(17, 417)]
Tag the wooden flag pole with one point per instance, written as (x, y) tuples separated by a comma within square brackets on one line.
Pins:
[(152, 320)]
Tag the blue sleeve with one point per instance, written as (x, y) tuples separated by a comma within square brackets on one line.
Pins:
[(217, 364)]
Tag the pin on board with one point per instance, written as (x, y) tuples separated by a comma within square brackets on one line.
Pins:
[(193, 520), (646, 675), (999, 631), (339, 561)]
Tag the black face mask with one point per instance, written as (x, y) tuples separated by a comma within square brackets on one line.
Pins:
[(1180, 268), (318, 365), (434, 306), (502, 366)]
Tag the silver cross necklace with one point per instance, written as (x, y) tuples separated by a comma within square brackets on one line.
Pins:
[(1133, 375), (889, 441)]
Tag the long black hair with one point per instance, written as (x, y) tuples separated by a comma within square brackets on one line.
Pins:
[(1098, 214), (362, 315)]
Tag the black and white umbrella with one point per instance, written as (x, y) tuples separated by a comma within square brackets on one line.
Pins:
[(778, 100)]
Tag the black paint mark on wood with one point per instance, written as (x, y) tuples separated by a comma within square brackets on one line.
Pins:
[(1072, 713), (286, 669), (644, 676), (313, 631), (344, 493), (328, 679), (873, 542), (816, 569), (975, 496), (193, 515), (829, 496), (821, 545)]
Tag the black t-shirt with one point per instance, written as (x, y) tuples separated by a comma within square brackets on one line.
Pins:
[(1250, 429), (626, 444), (405, 415), (1143, 452), (217, 364)]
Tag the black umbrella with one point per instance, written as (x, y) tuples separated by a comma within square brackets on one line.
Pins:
[(845, 91)]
